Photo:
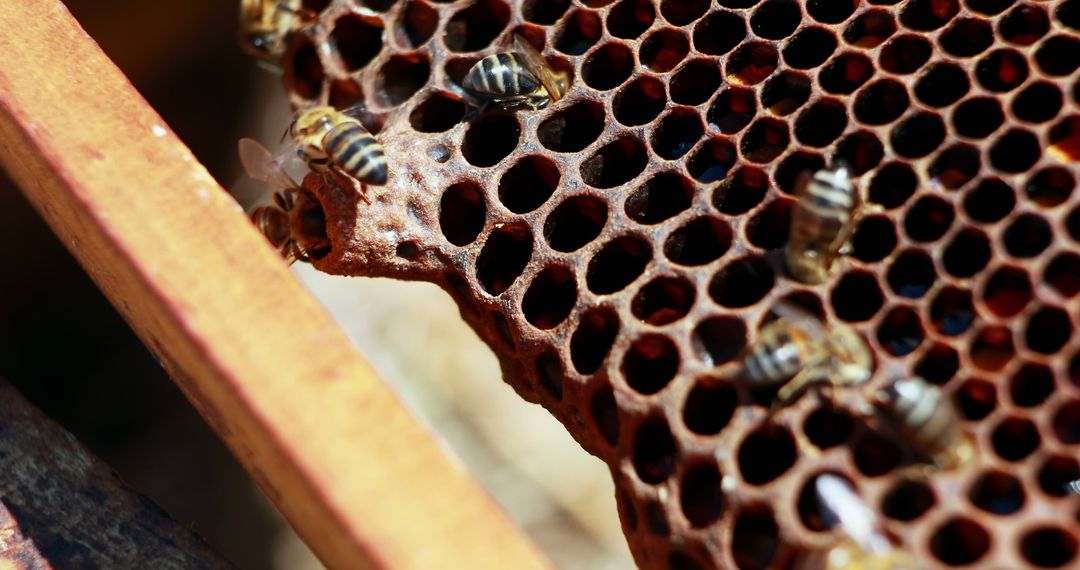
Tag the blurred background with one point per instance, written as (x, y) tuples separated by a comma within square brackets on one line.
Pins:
[(70, 353)]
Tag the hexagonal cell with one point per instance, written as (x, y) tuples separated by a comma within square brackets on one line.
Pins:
[(608, 66), (1056, 473), (378, 5), (578, 32), (1048, 330), (490, 139), (928, 15), (1024, 25), (892, 185), (593, 338), (997, 493), (1063, 274), (654, 451), (928, 219), (1050, 187), (1002, 70), (1007, 291), (857, 296), (604, 413), (664, 49), (775, 19), (952, 311), (766, 454), (504, 256), (828, 427), (572, 128), (989, 201), (699, 241), (846, 72), (809, 48), (766, 139), (900, 331), (544, 12), (785, 92), (992, 348), (875, 455), (677, 133), (575, 222), (660, 198), (967, 253), (719, 33), (663, 300), (683, 12), (755, 538), (976, 399), (793, 166), (639, 102), (959, 541), (942, 84), (618, 264), (874, 239), (881, 102), (978, 117), (955, 166), (615, 164), (462, 211), (821, 123), (938, 364), (1048, 547), (911, 274), (1068, 13), (695, 82), (812, 513), (769, 228), (989, 7), (967, 37), (528, 184), (718, 340), (751, 63), (1031, 385), (401, 77), (630, 18), (1027, 236), (701, 497), (907, 501), (416, 24), (1065, 140), (861, 150), (1066, 422), (918, 135), (1015, 438), (741, 191), (742, 282), (304, 73), (905, 54), (476, 26), (1057, 55), (438, 113), (732, 110), (870, 29)]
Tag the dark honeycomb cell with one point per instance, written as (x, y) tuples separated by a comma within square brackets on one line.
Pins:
[(792, 168), (630, 18), (1063, 274), (857, 296), (1024, 25), (548, 369), (345, 94), (967, 37), (766, 454), (1068, 13), (618, 264), (476, 26), (503, 257), (1065, 140), (1048, 330), (754, 538), (765, 140), (911, 274), (592, 341), (876, 455), (1050, 187), (952, 312), (989, 7), (892, 185), (1058, 55), (578, 32), (742, 282), (741, 191), (918, 135), (1015, 438), (378, 5), (881, 102), (699, 241), (615, 164), (719, 33), (417, 24), (677, 133), (608, 66), (679, 560), (544, 12), (928, 15), (846, 72), (870, 29), (490, 139), (639, 102), (401, 77), (959, 541), (831, 11), (861, 150), (900, 332), (695, 82), (709, 406), (828, 427), (874, 239), (701, 497), (528, 184), (304, 73), (809, 48), (768, 229), (575, 222), (992, 348), (683, 12), (978, 117), (663, 300), (942, 84), (997, 493), (907, 501), (1057, 472), (737, 3), (664, 49), (656, 519), (1027, 236), (1031, 385), (785, 92), (955, 166), (1002, 70), (928, 219), (938, 364), (1072, 224), (821, 123), (438, 113), (462, 211), (660, 198), (357, 40), (905, 54), (989, 201), (1066, 422), (775, 19), (604, 411), (732, 110), (1048, 547), (654, 451), (1007, 291), (967, 253), (976, 399), (650, 363), (751, 63), (718, 340)]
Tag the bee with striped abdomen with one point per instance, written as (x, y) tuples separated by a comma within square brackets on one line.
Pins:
[(928, 419), (264, 24), (821, 222), (333, 140), (798, 350), (516, 79)]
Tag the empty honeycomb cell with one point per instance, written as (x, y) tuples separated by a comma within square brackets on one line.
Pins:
[(766, 454), (928, 15), (401, 77), (907, 501), (1056, 472), (660, 198), (810, 508), (663, 300), (809, 48), (928, 219), (900, 332), (1007, 291), (755, 538), (742, 282), (654, 451), (1027, 236), (378, 5), (1024, 25), (572, 128), (955, 166), (304, 73), (785, 92), (457, 68), (846, 72), (718, 340), (1031, 385), (578, 32), (766, 139), (857, 296), (989, 7), (1063, 274), (575, 222), (992, 348), (741, 191), (1065, 140), (861, 151), (1058, 55), (967, 37), (1068, 13), (831, 11), (751, 63), (942, 84), (938, 364), (593, 338), (959, 541), (1015, 438), (1048, 547), (997, 493), (650, 363), (719, 33), (874, 239), (357, 39), (881, 102), (769, 227), (604, 412), (828, 427), (615, 164), (639, 102), (544, 12), (1048, 330), (775, 19), (952, 312), (462, 211), (476, 26), (504, 256), (699, 241), (438, 113), (528, 184), (1072, 223), (870, 29), (967, 253), (490, 139), (608, 66), (677, 133), (344, 94), (905, 54), (989, 201), (732, 110), (793, 167), (976, 399), (917, 135), (701, 496), (679, 560), (821, 123), (695, 82), (711, 404), (1050, 187), (892, 185), (664, 49), (978, 117), (911, 274), (630, 18), (875, 455), (1002, 70), (683, 12), (1066, 422)]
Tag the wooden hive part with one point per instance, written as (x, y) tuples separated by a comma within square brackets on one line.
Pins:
[(620, 248)]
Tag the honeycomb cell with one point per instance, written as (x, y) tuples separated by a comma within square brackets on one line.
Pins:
[(630, 18), (679, 560), (751, 63), (976, 399), (1015, 438), (695, 82), (792, 167), (741, 191), (1065, 140), (660, 198), (654, 451), (809, 48), (401, 77), (1048, 330), (997, 493), (892, 185), (846, 72), (663, 300), (462, 211), (857, 296), (809, 506), (1031, 385), (1050, 187), (1048, 547), (701, 496), (639, 102), (875, 455), (905, 54), (615, 164), (528, 184), (992, 348), (719, 33), (718, 340), (304, 73), (1068, 13), (785, 92), (881, 102), (754, 538), (1072, 224), (928, 15), (870, 29), (604, 412), (345, 94), (699, 241), (677, 133), (608, 66), (911, 274), (475, 27), (861, 150), (1057, 472), (575, 222), (938, 364), (742, 282), (918, 135), (766, 139), (978, 117), (656, 519), (766, 454), (578, 32), (955, 166), (1024, 25), (952, 311), (438, 113), (1058, 55), (504, 256), (593, 338), (900, 331), (989, 201), (664, 49), (907, 501), (989, 7), (548, 368), (959, 541), (821, 123), (357, 40), (942, 84), (967, 253), (544, 12), (1001, 70), (831, 11), (1062, 274), (1066, 422), (490, 139), (874, 239), (928, 219), (769, 228), (457, 68), (683, 12), (572, 128), (1027, 236), (775, 19), (378, 5), (967, 37), (828, 427), (618, 264), (737, 3), (732, 110), (650, 363), (1007, 291)]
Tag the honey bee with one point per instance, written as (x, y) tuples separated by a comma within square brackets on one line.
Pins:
[(821, 222), (264, 24), (333, 140), (295, 223), (516, 79), (928, 419), (798, 350)]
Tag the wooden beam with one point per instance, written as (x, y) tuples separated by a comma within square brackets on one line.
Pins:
[(362, 482)]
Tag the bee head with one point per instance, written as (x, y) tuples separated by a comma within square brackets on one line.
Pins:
[(311, 125)]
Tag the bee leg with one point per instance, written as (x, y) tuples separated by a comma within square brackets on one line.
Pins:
[(350, 182), (795, 387)]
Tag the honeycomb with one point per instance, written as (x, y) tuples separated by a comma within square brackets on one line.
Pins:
[(619, 249)]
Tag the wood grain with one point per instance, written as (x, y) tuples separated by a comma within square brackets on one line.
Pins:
[(362, 482)]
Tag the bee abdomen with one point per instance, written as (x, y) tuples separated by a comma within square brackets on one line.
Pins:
[(356, 151), (500, 75), (772, 362)]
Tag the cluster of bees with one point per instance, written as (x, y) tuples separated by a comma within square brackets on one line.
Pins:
[(796, 351)]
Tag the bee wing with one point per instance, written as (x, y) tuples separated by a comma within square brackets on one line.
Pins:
[(370, 120), (260, 164), (535, 63), (800, 317)]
